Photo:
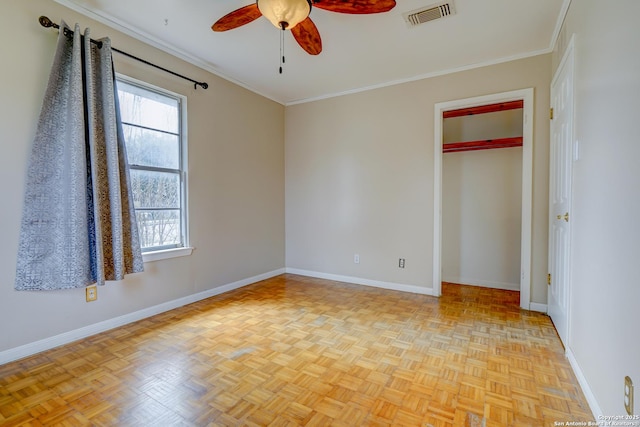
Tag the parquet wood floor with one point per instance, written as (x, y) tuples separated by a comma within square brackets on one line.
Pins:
[(294, 350)]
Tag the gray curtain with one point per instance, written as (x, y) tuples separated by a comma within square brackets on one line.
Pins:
[(78, 223)]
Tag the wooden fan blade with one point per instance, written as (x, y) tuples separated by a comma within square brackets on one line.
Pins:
[(356, 7), (307, 35), (237, 18)]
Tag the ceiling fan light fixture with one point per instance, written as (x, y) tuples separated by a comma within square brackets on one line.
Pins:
[(285, 14)]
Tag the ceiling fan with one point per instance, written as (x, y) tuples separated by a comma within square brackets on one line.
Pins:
[(294, 15)]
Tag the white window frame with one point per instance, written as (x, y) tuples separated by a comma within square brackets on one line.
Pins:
[(185, 249)]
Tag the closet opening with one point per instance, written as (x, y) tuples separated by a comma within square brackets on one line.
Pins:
[(483, 190), (481, 195)]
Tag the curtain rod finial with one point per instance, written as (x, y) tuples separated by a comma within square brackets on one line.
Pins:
[(45, 22)]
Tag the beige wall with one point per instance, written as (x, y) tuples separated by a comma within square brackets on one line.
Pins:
[(605, 294), (236, 181), (359, 175)]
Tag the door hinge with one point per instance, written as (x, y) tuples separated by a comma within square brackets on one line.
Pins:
[(549, 279), (551, 113)]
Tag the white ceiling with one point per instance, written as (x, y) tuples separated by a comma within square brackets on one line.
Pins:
[(359, 51)]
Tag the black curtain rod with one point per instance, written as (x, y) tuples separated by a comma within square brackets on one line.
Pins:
[(47, 23)]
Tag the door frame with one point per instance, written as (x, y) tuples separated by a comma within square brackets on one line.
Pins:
[(525, 95)]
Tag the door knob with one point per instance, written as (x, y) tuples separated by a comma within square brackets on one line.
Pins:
[(565, 216)]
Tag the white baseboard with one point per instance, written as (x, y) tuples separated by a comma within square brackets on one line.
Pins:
[(16, 353), (360, 281), (536, 306), (485, 283), (586, 390)]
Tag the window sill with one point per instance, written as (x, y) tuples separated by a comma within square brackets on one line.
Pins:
[(166, 254)]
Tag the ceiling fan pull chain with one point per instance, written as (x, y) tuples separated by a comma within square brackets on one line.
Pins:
[(282, 46)]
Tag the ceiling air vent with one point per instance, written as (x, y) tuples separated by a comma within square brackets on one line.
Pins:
[(429, 13)]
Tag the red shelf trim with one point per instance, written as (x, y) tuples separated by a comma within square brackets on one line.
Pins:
[(481, 109), (487, 144)]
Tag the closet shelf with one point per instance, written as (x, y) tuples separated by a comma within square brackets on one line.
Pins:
[(483, 109), (485, 144)]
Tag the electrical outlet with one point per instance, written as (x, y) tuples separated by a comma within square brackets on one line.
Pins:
[(356, 259), (92, 293), (628, 395), (401, 263)]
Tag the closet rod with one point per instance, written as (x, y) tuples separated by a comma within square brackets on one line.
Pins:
[(48, 23)]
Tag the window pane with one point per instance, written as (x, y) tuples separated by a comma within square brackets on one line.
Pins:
[(152, 130), (155, 189), (159, 228), (151, 148), (146, 108)]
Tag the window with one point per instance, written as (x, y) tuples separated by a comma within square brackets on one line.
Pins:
[(153, 129)]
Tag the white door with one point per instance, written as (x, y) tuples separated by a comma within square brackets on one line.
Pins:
[(560, 195)]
